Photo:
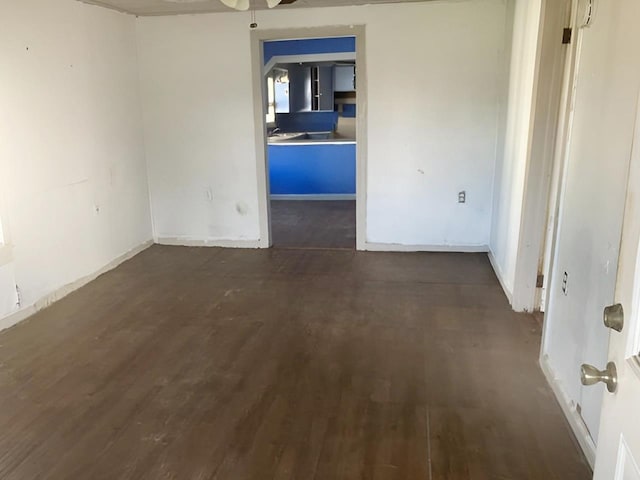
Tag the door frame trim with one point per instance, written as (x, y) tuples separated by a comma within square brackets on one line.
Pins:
[(542, 159), (258, 37)]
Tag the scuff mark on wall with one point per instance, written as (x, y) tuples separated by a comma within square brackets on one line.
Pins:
[(242, 208), (10, 297)]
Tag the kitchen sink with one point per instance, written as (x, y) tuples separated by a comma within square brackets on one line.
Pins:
[(319, 135), (286, 137)]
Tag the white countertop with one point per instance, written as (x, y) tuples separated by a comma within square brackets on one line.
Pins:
[(299, 143), (336, 139)]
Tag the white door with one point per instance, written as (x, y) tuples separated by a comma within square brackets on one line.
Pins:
[(592, 207), (618, 454)]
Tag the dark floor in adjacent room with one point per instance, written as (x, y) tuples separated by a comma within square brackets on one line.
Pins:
[(313, 224), (206, 363)]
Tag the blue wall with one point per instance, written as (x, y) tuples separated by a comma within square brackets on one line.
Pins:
[(308, 46), (312, 169), (349, 110)]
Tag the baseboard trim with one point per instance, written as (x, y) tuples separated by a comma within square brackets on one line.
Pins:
[(498, 271), (569, 409), (57, 295), (209, 242), (397, 247), (329, 196)]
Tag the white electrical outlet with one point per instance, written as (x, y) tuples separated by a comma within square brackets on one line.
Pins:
[(462, 197)]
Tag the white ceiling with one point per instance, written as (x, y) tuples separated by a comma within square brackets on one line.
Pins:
[(177, 7)]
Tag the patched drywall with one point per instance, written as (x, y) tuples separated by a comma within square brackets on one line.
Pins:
[(73, 183), (434, 79)]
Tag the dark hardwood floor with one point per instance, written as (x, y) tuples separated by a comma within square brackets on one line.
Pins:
[(314, 224), (196, 363)]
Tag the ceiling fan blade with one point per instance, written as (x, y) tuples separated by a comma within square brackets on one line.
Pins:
[(237, 4), (273, 3)]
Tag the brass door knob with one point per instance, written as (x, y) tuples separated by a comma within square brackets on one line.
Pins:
[(614, 317), (590, 375)]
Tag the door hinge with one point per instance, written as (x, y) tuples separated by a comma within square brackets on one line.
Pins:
[(567, 33), (540, 281)]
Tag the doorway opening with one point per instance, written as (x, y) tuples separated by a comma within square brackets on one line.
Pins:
[(311, 141), (312, 90)]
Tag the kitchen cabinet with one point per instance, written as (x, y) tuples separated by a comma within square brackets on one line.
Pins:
[(299, 88), (321, 169), (345, 78), (322, 89), (310, 89)]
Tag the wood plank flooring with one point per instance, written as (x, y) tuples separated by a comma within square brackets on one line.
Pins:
[(188, 363), (314, 224)]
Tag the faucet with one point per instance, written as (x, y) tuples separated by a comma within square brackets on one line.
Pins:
[(274, 131)]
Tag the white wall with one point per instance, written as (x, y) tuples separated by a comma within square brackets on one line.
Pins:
[(73, 179), (511, 166), (434, 80)]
